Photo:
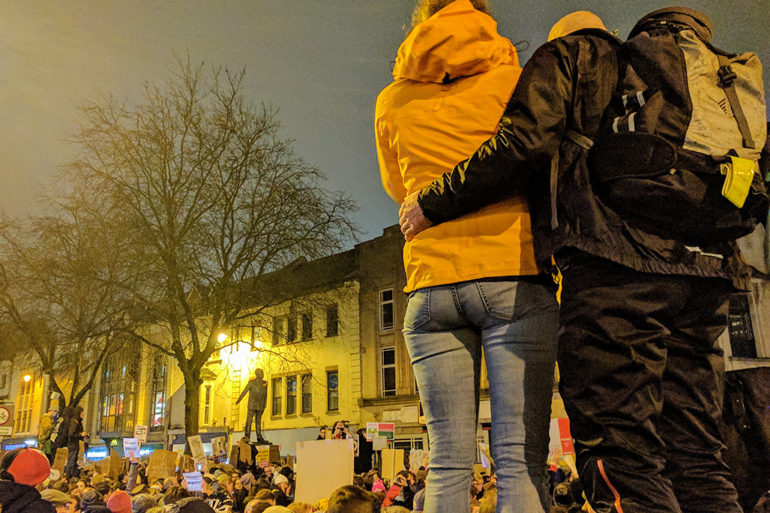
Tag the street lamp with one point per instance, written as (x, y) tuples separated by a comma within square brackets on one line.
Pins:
[(26, 378)]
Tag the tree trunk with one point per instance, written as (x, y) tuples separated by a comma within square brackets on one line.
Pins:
[(192, 385)]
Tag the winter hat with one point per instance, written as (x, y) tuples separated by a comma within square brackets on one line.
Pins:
[(573, 22), (55, 497), (119, 502), (193, 505), (91, 497), (277, 509), (280, 478), (25, 466), (379, 486)]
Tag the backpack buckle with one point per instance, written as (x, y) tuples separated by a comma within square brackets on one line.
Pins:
[(726, 76)]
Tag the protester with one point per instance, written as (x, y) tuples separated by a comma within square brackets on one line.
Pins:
[(44, 429), (474, 283), (63, 502), (350, 499), (321, 433), (75, 435), (22, 473), (119, 502), (641, 371)]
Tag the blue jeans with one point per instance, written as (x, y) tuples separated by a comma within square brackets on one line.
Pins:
[(515, 323)]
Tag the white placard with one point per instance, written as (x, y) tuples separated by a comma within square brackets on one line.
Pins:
[(194, 480), (140, 433), (130, 445)]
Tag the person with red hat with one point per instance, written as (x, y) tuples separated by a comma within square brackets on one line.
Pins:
[(22, 474), (119, 502)]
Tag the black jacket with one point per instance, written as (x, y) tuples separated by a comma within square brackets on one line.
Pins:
[(19, 498), (565, 88)]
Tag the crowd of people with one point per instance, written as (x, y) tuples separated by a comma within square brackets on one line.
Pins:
[(29, 485)]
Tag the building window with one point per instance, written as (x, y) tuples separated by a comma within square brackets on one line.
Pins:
[(386, 309), (24, 404), (388, 370), (332, 391), (291, 395), (307, 393), (278, 335), (291, 331), (307, 326), (277, 399), (158, 396), (206, 405), (742, 343), (118, 391), (332, 321)]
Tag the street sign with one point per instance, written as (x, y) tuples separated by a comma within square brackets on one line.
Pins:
[(6, 430), (6, 417)]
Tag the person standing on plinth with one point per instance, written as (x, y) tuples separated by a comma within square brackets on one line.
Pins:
[(257, 390)]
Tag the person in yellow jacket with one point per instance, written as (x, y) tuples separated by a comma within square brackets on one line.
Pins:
[(473, 282)]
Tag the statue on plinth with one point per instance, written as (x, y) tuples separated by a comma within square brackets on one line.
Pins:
[(257, 390)]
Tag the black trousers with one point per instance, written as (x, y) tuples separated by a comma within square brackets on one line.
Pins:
[(642, 382), (254, 416)]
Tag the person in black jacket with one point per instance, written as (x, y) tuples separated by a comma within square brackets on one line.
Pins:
[(75, 434), (640, 368), (22, 472)]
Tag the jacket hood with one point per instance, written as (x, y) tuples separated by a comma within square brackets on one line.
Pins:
[(457, 41), (19, 498)]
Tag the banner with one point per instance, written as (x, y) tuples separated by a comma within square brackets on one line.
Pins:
[(392, 463), (219, 447), (60, 460)]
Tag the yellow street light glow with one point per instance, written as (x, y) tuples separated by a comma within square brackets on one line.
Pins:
[(222, 337), (26, 378)]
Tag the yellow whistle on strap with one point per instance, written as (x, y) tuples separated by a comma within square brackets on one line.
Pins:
[(739, 174)]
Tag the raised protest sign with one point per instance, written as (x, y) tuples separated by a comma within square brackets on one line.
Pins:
[(140, 433), (162, 464), (392, 463), (194, 480), (337, 458), (196, 447), (130, 447), (219, 447), (60, 460)]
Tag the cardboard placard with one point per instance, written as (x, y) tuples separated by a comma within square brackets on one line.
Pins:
[(196, 447), (392, 463), (103, 466), (131, 447), (386, 430), (60, 459), (371, 431), (186, 463), (337, 458), (194, 480), (162, 464), (219, 447), (116, 464), (244, 453)]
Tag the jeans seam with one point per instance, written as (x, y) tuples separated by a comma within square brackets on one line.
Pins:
[(456, 299)]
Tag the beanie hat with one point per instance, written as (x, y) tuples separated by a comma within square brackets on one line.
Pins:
[(26, 466), (578, 20), (119, 502), (55, 497), (280, 478), (91, 497), (193, 505)]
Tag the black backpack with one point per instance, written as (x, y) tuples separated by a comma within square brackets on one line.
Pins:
[(678, 150), (59, 434)]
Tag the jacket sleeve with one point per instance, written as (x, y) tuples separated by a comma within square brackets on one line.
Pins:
[(390, 172), (529, 135)]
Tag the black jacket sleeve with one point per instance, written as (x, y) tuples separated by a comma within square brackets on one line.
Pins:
[(529, 135)]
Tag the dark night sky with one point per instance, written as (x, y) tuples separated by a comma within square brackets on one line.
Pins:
[(321, 63)]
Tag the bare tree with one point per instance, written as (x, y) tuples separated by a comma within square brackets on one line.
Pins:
[(212, 198), (58, 296)]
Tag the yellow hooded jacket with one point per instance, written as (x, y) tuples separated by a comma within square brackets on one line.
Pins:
[(453, 77)]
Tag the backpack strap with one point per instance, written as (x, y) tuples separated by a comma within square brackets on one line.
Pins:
[(727, 82)]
